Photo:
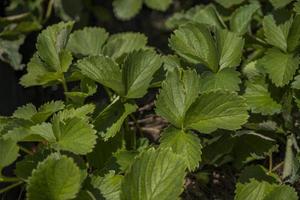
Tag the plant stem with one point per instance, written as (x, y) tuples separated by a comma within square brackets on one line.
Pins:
[(49, 10), (65, 86), (16, 17), (270, 162), (278, 166), (109, 94), (114, 101), (130, 136), (9, 179), (10, 187), (26, 150), (64, 83)]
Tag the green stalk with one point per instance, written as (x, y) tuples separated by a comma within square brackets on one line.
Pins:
[(270, 162), (64, 83), (65, 86), (9, 179), (114, 101), (130, 137), (277, 166), (26, 150), (10, 187), (49, 10)]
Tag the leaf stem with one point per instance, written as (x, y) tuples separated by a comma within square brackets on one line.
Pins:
[(64, 84), (49, 10), (26, 150), (136, 123), (130, 136), (114, 101), (109, 94), (17, 17), (278, 166), (9, 179), (270, 162), (10, 187)]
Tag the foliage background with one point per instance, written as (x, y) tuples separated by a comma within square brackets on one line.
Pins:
[(96, 13), (100, 13)]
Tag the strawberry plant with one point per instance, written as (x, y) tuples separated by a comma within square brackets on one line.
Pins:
[(134, 123)]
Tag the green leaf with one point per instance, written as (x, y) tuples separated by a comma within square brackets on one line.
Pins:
[(230, 47), (296, 83), (25, 112), (75, 135), (177, 19), (138, 70), (103, 153), (218, 150), (109, 185), (225, 80), (108, 123), (281, 67), (255, 190), (51, 43), (68, 10), (57, 177), (51, 60), (297, 7), (79, 112), (187, 145), (259, 173), (282, 192), (250, 146), (239, 148), (125, 158), (44, 130), (161, 5), (276, 35), (9, 52), (259, 99), (38, 73), (123, 43), (280, 3), (254, 71), (19, 134), (8, 153), (204, 15), (241, 18), (195, 43), (228, 4), (102, 70), (29, 111), (87, 88), (152, 176), (217, 110), (178, 92), (171, 62), (24, 167), (126, 10), (294, 35), (16, 27), (88, 41), (85, 195), (46, 110)]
